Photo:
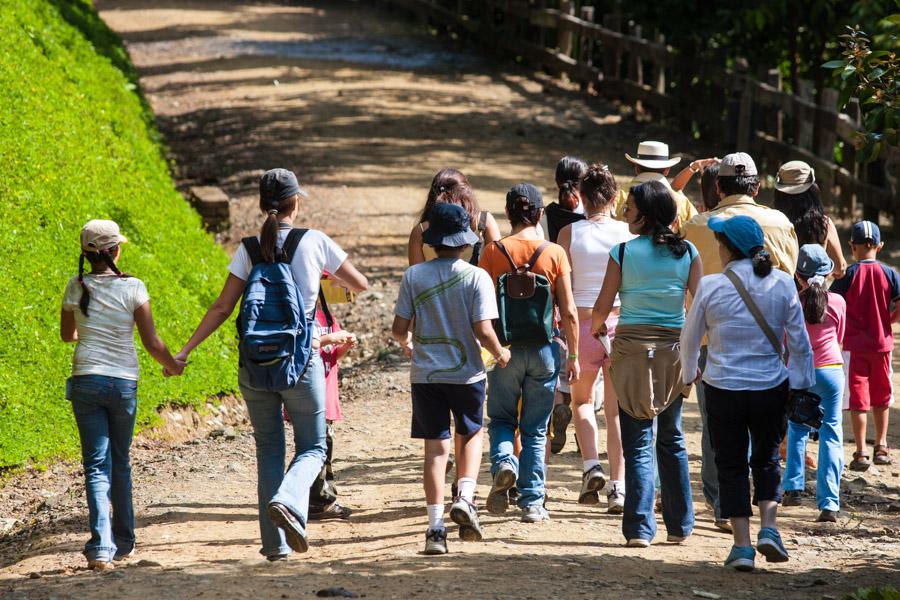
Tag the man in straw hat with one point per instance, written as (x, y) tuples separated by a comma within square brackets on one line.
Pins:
[(652, 163)]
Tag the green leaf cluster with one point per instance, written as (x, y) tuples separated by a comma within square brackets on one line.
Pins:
[(874, 593), (77, 142)]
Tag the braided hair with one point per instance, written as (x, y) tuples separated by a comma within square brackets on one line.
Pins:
[(101, 258)]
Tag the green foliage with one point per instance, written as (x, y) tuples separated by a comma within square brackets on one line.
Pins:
[(77, 142), (871, 77), (879, 593)]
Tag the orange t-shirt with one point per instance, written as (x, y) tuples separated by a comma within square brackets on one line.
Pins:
[(552, 263)]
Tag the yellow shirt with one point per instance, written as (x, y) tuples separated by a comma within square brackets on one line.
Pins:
[(685, 210), (778, 233)]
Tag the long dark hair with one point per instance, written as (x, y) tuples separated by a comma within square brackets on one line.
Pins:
[(655, 203), (102, 258), (806, 213), (570, 170), (598, 187), (762, 262), (268, 236), (708, 186), (450, 186), (815, 302)]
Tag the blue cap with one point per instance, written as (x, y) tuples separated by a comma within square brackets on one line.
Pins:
[(865, 231), (743, 232), (449, 225), (812, 261)]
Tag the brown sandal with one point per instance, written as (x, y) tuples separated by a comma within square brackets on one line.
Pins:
[(882, 455), (860, 462)]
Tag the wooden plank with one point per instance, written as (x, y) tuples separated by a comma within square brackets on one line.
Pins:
[(565, 35)]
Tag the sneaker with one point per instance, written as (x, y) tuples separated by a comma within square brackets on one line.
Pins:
[(535, 514), (741, 558), (638, 543), (436, 541), (562, 416), (464, 514), (294, 533), (827, 516), (498, 498), (122, 554), (791, 498), (332, 511), (615, 499), (769, 544), (277, 557), (724, 525), (676, 539), (100, 565), (592, 481)]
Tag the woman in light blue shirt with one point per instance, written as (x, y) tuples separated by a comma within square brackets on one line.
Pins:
[(651, 274), (745, 381)]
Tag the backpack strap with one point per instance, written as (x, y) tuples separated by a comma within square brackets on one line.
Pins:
[(290, 244), (621, 254), (534, 257), (757, 314), (254, 250), (508, 257)]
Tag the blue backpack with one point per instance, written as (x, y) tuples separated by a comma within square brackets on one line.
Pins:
[(274, 333)]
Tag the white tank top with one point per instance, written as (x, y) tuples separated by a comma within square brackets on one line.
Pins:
[(589, 249)]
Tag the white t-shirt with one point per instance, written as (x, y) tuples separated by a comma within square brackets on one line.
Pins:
[(589, 248), (316, 253), (106, 335)]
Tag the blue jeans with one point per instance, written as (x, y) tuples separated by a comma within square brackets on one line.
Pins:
[(830, 386), (528, 375), (305, 404), (639, 520), (105, 409), (709, 474)]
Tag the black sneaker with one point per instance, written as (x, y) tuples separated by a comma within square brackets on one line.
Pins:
[(294, 533), (436, 541), (791, 498), (562, 416), (592, 481), (464, 514)]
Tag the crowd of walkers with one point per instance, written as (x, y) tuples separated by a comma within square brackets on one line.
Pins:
[(620, 300)]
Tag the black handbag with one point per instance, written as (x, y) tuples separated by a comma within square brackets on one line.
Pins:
[(804, 407)]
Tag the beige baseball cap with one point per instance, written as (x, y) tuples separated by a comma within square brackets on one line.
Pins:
[(100, 234), (795, 177)]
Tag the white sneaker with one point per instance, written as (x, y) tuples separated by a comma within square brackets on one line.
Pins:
[(535, 514), (615, 498), (638, 543)]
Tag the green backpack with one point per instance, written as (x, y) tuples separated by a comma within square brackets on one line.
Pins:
[(524, 303)]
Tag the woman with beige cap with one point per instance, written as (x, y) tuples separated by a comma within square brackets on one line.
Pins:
[(99, 312), (797, 196)]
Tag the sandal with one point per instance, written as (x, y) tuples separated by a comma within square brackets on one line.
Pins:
[(882, 455), (860, 461)]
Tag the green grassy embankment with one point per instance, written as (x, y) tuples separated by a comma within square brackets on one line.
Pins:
[(78, 142)]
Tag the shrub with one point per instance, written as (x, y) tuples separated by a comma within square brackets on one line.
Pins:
[(78, 142)]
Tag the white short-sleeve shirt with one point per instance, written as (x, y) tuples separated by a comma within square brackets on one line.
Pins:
[(106, 334), (315, 253)]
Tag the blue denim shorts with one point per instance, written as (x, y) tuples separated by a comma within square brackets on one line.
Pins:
[(433, 403)]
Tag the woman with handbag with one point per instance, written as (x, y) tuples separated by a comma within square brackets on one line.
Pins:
[(825, 315), (745, 312)]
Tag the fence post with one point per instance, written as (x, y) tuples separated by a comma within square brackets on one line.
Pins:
[(804, 127), (612, 54), (636, 68), (849, 197), (659, 70), (586, 51), (565, 34)]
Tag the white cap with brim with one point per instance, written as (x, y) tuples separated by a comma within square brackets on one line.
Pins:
[(653, 155), (100, 234)]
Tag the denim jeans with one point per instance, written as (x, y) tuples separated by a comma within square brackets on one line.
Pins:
[(529, 376), (709, 475), (639, 520), (105, 409), (830, 386), (305, 404)]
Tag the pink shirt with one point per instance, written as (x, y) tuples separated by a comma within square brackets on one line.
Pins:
[(826, 337)]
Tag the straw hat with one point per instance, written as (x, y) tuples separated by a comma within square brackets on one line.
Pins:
[(653, 155)]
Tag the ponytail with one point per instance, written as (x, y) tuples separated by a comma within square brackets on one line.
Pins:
[(268, 236), (569, 172), (814, 300), (521, 211), (656, 205), (102, 258)]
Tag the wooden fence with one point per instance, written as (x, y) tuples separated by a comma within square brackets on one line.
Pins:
[(729, 106)]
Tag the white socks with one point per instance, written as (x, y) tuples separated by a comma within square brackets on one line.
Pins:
[(467, 488), (435, 516), (587, 465)]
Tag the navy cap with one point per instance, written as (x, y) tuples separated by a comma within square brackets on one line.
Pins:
[(525, 190), (812, 261), (449, 225), (277, 185), (865, 231), (743, 232)]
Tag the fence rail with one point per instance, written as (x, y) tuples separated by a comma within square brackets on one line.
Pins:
[(736, 109)]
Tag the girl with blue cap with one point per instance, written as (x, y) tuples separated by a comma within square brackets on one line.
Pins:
[(746, 312)]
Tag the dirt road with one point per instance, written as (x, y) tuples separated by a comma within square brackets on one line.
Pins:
[(366, 112)]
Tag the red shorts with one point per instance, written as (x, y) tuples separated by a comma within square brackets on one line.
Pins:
[(869, 380)]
